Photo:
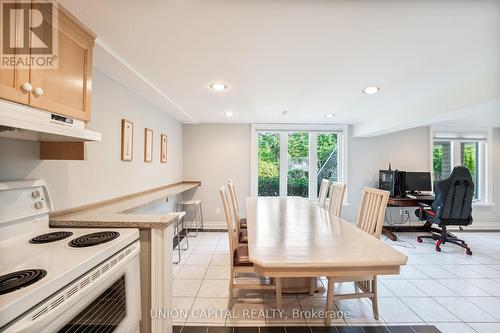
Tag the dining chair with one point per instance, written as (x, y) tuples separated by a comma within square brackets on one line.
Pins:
[(240, 261), (323, 193), (336, 199), (240, 232), (370, 219)]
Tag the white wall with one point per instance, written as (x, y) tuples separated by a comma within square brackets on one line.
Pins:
[(489, 214), (103, 175), (212, 153), (405, 150)]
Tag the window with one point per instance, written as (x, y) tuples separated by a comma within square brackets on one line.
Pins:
[(298, 165), (269, 164), (292, 159), (452, 148)]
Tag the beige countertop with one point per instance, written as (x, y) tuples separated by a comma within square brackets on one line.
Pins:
[(118, 212)]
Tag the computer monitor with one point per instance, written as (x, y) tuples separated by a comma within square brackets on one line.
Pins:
[(418, 182)]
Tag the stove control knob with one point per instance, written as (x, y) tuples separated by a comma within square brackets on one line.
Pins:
[(35, 194), (38, 205)]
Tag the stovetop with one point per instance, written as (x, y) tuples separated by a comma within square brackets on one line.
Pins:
[(36, 260), (53, 265)]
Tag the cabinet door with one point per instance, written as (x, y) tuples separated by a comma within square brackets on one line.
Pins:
[(11, 79), (66, 90)]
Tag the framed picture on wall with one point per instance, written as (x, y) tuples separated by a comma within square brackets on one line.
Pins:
[(163, 148), (148, 145), (127, 140)]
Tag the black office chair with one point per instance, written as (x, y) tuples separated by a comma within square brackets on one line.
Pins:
[(452, 206)]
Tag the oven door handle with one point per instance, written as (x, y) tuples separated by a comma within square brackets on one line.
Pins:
[(40, 324)]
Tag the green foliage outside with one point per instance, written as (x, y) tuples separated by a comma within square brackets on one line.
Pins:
[(437, 164), (468, 160), (269, 161), (326, 145), (298, 150)]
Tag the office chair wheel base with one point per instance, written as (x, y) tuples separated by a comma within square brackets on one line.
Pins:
[(438, 249), (468, 252), (419, 240)]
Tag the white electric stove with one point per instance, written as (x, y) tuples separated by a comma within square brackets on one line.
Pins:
[(63, 279)]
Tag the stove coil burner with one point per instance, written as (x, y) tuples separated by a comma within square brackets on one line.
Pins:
[(94, 239), (50, 237), (20, 279)]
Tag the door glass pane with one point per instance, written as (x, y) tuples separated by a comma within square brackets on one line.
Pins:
[(298, 165), (327, 158), (469, 157), (269, 164), (441, 159)]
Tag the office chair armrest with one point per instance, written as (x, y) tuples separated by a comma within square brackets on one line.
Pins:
[(423, 205)]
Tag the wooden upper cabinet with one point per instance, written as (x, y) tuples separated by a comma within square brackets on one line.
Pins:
[(12, 79), (66, 90)]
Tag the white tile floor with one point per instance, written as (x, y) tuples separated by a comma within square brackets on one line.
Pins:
[(453, 291)]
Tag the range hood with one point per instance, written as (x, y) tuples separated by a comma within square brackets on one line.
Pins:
[(26, 123)]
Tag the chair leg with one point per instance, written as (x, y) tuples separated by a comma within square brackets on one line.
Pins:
[(178, 243), (329, 301), (183, 227), (445, 237), (279, 300), (230, 299), (356, 288), (374, 298), (201, 216), (196, 220), (312, 285)]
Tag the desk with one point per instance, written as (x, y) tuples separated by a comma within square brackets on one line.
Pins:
[(293, 237), (407, 202)]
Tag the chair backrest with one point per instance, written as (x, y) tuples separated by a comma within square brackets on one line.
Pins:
[(234, 202), (323, 193), (230, 227), (454, 197), (371, 213), (337, 191)]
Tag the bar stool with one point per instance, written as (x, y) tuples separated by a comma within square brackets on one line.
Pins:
[(198, 212), (177, 233)]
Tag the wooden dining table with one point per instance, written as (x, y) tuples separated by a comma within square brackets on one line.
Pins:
[(291, 237)]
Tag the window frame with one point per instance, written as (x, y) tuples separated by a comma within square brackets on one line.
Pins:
[(459, 136), (284, 130)]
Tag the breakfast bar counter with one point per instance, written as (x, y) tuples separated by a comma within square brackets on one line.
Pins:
[(156, 241), (119, 212)]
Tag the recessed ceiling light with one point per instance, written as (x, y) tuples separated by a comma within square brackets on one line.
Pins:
[(218, 86), (371, 90), (329, 115), (229, 114)]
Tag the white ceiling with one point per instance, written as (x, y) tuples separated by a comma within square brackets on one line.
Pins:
[(483, 118), (310, 57)]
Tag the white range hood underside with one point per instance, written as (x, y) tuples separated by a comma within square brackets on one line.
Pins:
[(26, 123)]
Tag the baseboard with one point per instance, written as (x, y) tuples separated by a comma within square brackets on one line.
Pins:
[(209, 225), (475, 226)]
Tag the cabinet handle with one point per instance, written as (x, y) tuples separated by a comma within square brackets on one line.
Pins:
[(27, 87), (38, 91)]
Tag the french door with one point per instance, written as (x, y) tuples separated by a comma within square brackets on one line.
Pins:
[(293, 162)]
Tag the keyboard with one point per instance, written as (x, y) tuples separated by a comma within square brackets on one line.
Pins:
[(422, 197)]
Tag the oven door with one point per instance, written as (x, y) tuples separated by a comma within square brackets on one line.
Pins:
[(107, 299)]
